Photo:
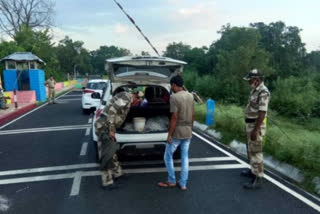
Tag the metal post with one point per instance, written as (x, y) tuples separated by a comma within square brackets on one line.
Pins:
[(75, 71), (15, 98)]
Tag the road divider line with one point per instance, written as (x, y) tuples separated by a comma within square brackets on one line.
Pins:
[(97, 173), (75, 189), (79, 95), (84, 147), (48, 169), (69, 99), (44, 129), (94, 165), (88, 131), (275, 182), (191, 160), (36, 178)]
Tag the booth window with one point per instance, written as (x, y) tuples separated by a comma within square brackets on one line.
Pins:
[(11, 64), (32, 65)]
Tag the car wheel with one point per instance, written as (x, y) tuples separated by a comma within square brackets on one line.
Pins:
[(85, 111)]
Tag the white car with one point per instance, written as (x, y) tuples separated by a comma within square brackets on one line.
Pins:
[(151, 74), (91, 94), (102, 104)]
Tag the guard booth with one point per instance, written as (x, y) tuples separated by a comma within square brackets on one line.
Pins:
[(22, 72)]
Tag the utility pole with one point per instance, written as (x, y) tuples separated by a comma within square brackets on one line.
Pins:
[(75, 71)]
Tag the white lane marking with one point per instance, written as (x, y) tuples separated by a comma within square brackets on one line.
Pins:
[(84, 147), (74, 95), (48, 169), (36, 178), (93, 165), (88, 131), (75, 189), (69, 99), (44, 129), (281, 186), (4, 204), (95, 173), (90, 120), (191, 160), (30, 112)]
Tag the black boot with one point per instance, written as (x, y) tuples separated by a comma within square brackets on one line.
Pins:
[(247, 173), (256, 183)]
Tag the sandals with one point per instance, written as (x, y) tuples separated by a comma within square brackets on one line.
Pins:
[(166, 184)]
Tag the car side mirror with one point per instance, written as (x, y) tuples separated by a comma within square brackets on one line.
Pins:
[(95, 95)]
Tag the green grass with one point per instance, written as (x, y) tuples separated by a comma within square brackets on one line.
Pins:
[(287, 139)]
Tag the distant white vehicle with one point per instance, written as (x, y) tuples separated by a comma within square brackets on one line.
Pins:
[(153, 74), (92, 93)]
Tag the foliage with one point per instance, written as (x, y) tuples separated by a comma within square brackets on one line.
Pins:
[(286, 140), (295, 97), (99, 56), (32, 14)]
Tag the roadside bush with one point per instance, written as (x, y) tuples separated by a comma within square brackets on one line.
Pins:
[(190, 77), (207, 86), (294, 97)]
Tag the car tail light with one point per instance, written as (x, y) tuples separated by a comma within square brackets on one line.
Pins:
[(87, 91), (98, 113)]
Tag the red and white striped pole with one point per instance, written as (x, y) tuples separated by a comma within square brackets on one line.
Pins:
[(15, 98)]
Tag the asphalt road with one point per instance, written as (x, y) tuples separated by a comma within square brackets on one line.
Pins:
[(48, 166)]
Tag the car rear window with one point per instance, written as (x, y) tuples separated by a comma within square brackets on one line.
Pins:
[(97, 85)]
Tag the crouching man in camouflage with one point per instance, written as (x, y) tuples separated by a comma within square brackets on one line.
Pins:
[(255, 115), (111, 118)]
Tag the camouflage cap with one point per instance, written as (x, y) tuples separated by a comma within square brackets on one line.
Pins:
[(254, 73)]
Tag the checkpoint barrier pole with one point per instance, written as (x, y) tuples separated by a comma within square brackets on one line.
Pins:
[(15, 98)]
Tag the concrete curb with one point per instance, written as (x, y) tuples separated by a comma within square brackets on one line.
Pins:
[(8, 117)]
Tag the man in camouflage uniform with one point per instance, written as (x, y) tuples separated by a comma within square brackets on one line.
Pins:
[(255, 118), (51, 83), (112, 118)]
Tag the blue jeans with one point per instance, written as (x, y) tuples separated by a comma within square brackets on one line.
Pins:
[(170, 149)]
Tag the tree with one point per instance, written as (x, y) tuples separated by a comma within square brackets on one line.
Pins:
[(99, 56), (40, 43), (30, 13), (145, 53), (237, 52), (285, 45), (177, 50), (72, 56)]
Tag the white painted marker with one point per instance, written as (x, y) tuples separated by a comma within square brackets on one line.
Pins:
[(84, 147), (88, 131), (281, 186), (75, 189)]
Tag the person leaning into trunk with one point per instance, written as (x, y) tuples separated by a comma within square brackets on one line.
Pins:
[(51, 83), (180, 133), (255, 118), (112, 117)]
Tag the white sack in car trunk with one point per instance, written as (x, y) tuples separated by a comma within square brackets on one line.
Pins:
[(159, 123)]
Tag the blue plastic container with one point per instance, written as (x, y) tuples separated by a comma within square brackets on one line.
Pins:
[(210, 112)]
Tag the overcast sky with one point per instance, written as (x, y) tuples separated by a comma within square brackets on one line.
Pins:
[(194, 22)]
